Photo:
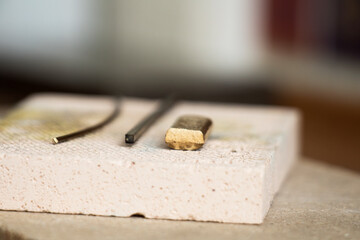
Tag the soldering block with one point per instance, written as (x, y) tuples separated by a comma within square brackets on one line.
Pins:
[(233, 178)]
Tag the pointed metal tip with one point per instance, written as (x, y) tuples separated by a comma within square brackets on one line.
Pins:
[(55, 140)]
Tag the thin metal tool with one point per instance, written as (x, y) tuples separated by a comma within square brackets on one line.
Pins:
[(87, 130), (134, 134)]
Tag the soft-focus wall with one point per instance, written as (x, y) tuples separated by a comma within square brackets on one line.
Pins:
[(135, 39), (202, 36)]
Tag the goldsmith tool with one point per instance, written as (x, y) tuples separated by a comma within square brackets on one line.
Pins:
[(189, 132), (135, 133), (90, 129)]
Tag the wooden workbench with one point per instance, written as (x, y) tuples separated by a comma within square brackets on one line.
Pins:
[(317, 201)]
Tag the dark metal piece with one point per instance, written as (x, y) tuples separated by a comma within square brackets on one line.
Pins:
[(87, 130), (134, 134)]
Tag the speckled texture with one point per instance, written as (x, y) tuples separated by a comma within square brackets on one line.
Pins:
[(317, 201), (233, 178)]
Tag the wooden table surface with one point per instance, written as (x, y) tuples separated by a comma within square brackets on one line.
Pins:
[(317, 201)]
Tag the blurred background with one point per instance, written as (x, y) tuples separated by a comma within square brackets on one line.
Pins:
[(298, 53)]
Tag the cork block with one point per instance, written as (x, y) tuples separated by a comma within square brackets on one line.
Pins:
[(232, 178)]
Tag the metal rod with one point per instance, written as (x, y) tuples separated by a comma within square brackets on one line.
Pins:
[(90, 129), (135, 133)]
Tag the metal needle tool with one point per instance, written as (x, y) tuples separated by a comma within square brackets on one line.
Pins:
[(87, 130), (134, 134)]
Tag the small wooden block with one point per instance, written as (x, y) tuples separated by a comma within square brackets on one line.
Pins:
[(189, 132)]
